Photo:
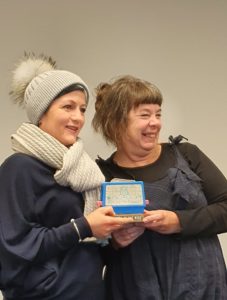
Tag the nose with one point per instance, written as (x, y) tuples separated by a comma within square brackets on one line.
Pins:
[(153, 121), (77, 115)]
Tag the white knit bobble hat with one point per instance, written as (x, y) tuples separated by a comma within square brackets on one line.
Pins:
[(36, 83), (43, 89)]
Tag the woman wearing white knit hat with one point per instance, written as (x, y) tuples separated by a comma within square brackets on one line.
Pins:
[(48, 191)]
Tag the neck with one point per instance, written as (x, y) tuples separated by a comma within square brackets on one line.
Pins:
[(128, 159)]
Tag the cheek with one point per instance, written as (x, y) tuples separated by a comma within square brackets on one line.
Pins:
[(159, 124), (82, 121)]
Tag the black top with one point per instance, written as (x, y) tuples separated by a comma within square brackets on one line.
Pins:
[(203, 221), (189, 265), (40, 255)]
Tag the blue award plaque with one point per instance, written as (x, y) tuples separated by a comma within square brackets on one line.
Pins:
[(126, 197)]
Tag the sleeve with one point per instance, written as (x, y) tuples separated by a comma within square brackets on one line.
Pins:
[(211, 219), (20, 235)]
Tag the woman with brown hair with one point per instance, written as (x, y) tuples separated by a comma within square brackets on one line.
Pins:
[(174, 254)]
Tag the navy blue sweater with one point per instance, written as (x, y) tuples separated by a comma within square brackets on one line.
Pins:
[(40, 255)]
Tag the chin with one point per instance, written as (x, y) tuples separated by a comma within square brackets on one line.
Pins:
[(69, 142), (149, 146)]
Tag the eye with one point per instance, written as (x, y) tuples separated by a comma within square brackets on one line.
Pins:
[(67, 107), (158, 116), (83, 109), (145, 115)]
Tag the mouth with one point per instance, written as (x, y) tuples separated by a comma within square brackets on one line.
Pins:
[(73, 129), (149, 135)]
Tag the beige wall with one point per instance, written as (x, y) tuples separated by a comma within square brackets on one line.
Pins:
[(179, 45)]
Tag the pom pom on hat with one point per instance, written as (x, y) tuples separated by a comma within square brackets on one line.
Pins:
[(36, 83), (28, 68)]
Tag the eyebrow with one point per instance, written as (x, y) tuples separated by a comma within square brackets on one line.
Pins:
[(72, 101), (148, 110)]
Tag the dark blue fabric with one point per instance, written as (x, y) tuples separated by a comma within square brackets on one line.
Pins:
[(40, 256), (166, 267)]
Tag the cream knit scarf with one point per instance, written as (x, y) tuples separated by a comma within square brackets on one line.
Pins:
[(73, 165)]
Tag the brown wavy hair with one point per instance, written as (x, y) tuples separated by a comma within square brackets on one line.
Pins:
[(115, 99)]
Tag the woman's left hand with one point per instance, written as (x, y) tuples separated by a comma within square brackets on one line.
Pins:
[(162, 221)]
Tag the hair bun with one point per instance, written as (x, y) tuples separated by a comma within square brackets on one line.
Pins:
[(101, 92)]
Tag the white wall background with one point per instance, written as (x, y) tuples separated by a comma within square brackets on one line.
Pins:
[(179, 45)]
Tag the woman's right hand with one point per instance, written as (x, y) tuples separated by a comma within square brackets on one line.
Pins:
[(127, 234), (103, 221)]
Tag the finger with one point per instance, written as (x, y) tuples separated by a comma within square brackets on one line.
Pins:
[(134, 230), (128, 225), (133, 236), (99, 203), (138, 224), (152, 218), (108, 210), (126, 220)]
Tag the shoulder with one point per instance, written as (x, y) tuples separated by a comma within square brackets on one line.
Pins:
[(188, 149), (193, 154), (107, 167), (185, 148), (16, 159), (104, 163), (198, 161), (24, 166), (190, 152), (20, 159)]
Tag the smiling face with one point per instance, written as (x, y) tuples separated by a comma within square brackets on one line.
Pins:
[(65, 117), (142, 132)]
